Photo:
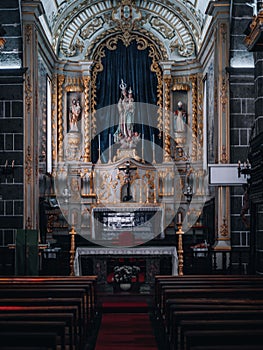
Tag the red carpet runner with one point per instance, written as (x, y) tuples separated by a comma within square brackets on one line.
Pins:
[(121, 331)]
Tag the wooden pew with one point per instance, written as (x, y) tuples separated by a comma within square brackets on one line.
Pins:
[(50, 293), (207, 315), (200, 325), (46, 322), (27, 325), (206, 298), (28, 341), (48, 306), (192, 282), (222, 337), (87, 282)]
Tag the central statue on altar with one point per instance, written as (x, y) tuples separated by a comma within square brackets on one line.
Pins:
[(125, 135)]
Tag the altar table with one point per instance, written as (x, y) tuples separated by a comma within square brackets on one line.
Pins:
[(123, 251)]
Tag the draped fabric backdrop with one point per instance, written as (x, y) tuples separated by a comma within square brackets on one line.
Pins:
[(134, 67)]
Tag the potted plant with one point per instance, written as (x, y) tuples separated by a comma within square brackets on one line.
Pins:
[(124, 275)]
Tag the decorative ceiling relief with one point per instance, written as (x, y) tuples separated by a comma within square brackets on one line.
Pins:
[(84, 24)]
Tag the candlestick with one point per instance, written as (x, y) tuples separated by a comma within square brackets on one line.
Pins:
[(72, 251), (180, 250)]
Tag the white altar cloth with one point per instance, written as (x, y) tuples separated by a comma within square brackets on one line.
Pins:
[(147, 251)]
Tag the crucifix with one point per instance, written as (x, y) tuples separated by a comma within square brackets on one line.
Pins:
[(127, 179)]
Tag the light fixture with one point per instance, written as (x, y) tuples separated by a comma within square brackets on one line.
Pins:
[(2, 40), (188, 189), (244, 169), (188, 192), (2, 43)]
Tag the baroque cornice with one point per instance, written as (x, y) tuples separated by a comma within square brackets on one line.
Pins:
[(177, 25)]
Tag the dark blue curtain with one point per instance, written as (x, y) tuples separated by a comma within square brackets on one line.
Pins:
[(134, 67)]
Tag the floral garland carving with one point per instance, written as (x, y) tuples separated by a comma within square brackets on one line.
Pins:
[(61, 79), (28, 165), (86, 81), (54, 129), (167, 141), (194, 118)]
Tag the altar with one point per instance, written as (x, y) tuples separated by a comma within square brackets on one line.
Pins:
[(102, 260), (144, 222)]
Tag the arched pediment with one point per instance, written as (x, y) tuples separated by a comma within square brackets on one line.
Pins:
[(78, 25)]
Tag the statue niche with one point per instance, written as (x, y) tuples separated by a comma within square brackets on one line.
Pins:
[(73, 136)]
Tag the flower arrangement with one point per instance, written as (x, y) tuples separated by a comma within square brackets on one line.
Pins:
[(125, 273)]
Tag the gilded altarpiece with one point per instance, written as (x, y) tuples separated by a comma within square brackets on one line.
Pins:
[(156, 167)]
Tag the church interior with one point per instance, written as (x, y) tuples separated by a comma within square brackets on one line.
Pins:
[(131, 162)]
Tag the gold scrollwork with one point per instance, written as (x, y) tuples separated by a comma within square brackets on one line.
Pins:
[(28, 93), (73, 84), (54, 121), (28, 33), (86, 82), (194, 117), (224, 229), (28, 165), (223, 94), (200, 119), (142, 44), (61, 79), (167, 139)]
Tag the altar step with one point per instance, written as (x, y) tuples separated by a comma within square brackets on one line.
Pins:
[(125, 303)]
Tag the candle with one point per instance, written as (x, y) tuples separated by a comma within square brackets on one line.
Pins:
[(6, 163), (13, 163), (142, 146), (99, 141), (153, 142), (72, 219), (179, 217), (109, 147)]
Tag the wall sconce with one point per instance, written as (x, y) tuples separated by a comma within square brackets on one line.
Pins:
[(8, 170), (244, 169), (66, 194), (188, 192), (2, 43)]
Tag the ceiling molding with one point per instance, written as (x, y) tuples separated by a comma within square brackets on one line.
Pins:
[(78, 24)]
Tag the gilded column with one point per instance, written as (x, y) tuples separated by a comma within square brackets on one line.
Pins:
[(87, 140), (86, 67), (30, 14), (61, 79), (167, 79), (220, 11), (54, 117), (194, 117)]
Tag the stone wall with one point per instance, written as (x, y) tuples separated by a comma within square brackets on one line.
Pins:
[(11, 123), (242, 116)]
